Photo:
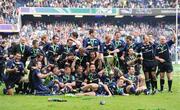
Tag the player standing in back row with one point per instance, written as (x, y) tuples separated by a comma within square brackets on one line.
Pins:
[(164, 60), (147, 48)]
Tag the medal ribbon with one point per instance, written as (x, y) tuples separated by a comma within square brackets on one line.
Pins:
[(54, 48), (22, 48)]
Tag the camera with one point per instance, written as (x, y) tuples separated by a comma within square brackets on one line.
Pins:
[(139, 55), (138, 60)]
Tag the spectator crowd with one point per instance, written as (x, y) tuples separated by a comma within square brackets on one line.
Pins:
[(8, 12), (102, 3), (9, 8)]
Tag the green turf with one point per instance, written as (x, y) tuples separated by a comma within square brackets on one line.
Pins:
[(160, 101)]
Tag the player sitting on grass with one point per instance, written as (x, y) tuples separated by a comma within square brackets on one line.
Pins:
[(96, 89), (118, 87), (68, 80), (94, 86), (135, 84), (79, 77)]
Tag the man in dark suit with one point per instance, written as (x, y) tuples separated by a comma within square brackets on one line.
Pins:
[(23, 49)]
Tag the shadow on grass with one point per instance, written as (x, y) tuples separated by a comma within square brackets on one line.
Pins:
[(88, 98)]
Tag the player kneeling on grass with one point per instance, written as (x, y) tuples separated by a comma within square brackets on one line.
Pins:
[(37, 82), (14, 72), (135, 84)]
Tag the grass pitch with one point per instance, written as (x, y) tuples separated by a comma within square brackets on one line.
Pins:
[(160, 101)]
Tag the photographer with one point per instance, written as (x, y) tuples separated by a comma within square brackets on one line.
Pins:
[(134, 59), (14, 72)]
